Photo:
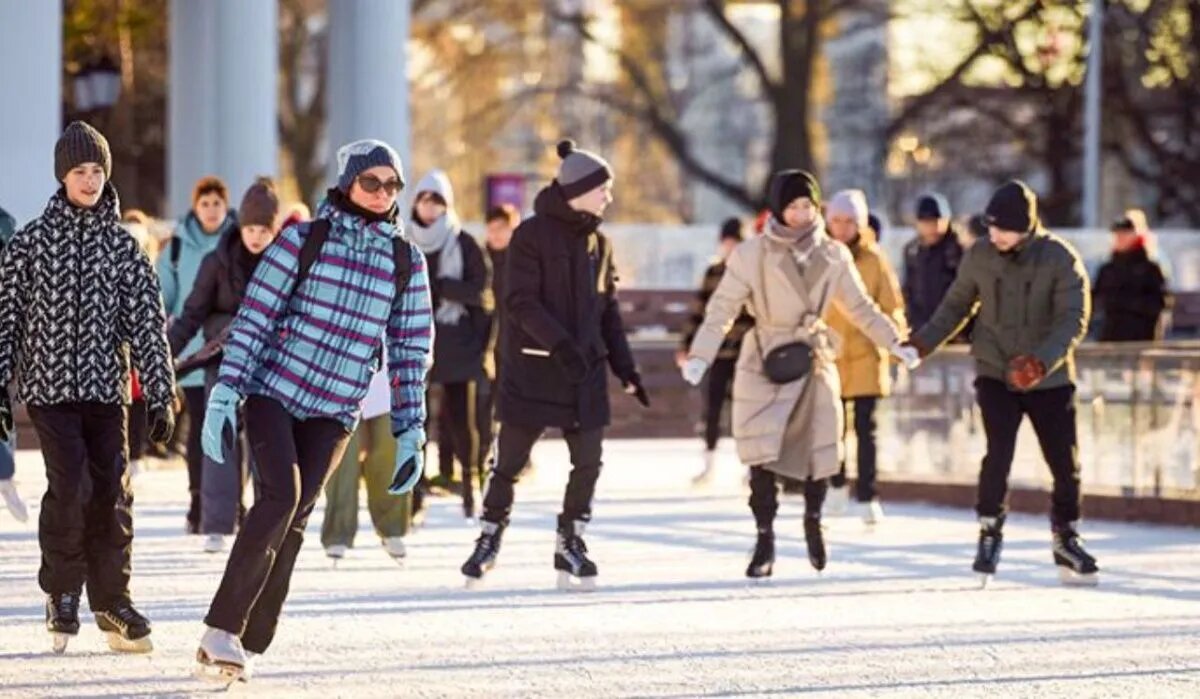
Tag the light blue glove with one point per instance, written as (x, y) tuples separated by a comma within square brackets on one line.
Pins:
[(220, 422), (410, 461)]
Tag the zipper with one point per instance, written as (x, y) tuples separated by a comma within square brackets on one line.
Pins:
[(78, 303)]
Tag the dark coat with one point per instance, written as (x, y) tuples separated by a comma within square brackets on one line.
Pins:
[(560, 289), (742, 325), (215, 297), (928, 273), (1131, 292), (458, 349), (498, 259)]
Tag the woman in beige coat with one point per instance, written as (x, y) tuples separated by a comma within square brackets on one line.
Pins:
[(787, 279)]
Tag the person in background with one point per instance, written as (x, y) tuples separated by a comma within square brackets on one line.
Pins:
[(977, 230), (197, 235), (296, 212), (876, 225), (862, 365), (720, 376), (8, 488), (1130, 292), (930, 260)]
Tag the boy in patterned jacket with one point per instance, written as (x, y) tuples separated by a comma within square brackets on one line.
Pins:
[(80, 304), (300, 354)]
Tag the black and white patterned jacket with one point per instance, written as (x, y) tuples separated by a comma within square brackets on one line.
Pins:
[(79, 304)]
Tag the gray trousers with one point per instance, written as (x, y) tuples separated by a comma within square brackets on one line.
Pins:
[(221, 485)]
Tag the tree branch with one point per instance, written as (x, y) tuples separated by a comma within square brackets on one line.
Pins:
[(750, 55)]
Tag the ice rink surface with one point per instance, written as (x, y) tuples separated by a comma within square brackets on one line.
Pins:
[(897, 613)]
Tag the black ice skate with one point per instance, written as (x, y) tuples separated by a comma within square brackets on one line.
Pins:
[(483, 559), (1075, 565), (126, 630), (987, 555), (762, 561), (576, 572), (814, 537), (62, 619)]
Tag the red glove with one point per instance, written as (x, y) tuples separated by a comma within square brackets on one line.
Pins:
[(1025, 372)]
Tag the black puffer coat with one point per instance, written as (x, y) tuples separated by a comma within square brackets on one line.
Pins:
[(220, 285), (1130, 294)]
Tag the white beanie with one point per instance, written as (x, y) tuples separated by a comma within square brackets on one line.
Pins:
[(849, 202)]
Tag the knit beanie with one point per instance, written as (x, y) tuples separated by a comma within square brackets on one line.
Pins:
[(788, 186), (731, 229), (849, 202), (932, 206), (354, 158), (260, 204), (580, 171), (1013, 208), (81, 143)]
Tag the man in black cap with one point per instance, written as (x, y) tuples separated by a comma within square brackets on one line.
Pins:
[(80, 306), (930, 260), (562, 326), (720, 377), (1131, 290), (1028, 291)]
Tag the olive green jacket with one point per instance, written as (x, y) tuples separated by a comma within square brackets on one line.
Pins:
[(1034, 300)]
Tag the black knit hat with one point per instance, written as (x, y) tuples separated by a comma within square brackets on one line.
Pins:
[(580, 171), (81, 143), (731, 229), (788, 186), (1013, 208), (932, 206)]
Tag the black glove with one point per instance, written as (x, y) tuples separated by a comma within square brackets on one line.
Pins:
[(162, 425), (568, 358), (633, 386), (6, 416)]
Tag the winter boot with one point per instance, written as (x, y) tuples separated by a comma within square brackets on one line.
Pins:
[(1075, 565), (483, 558), (576, 572), (126, 630), (991, 541), (62, 618), (814, 538), (762, 561)]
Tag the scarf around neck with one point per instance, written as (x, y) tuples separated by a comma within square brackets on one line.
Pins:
[(441, 237)]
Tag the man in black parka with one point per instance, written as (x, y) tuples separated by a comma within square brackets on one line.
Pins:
[(563, 324)]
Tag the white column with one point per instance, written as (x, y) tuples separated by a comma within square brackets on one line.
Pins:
[(1093, 124), (31, 118), (368, 75), (223, 95)]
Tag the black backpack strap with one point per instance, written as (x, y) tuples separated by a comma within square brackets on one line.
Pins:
[(310, 250), (402, 254)]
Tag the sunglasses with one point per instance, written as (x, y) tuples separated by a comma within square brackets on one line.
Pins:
[(371, 184)]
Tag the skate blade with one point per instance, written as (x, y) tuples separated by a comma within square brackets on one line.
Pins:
[(120, 644), (60, 641), (471, 583), (985, 579), (217, 672), (570, 583), (1070, 578)]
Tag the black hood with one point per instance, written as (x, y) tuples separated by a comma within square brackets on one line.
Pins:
[(342, 201)]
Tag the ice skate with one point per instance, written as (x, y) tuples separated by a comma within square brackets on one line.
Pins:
[(214, 543), (705, 477), (12, 500), (62, 619), (394, 545), (872, 512), (576, 572), (1076, 567), (837, 501), (125, 629), (762, 560), (991, 541), (814, 538), (220, 657), (483, 558), (248, 668), (335, 553)]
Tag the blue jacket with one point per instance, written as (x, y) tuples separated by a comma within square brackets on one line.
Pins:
[(177, 280)]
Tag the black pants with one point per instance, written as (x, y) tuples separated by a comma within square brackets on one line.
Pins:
[(512, 454), (1052, 413), (720, 378), (86, 524), (864, 432), (195, 402), (764, 496), (293, 458), (485, 406), (138, 429), (459, 405)]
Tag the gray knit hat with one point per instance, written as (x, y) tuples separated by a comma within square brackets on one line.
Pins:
[(260, 204), (81, 143), (580, 171), (354, 158)]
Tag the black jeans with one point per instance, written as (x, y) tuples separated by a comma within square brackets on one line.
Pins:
[(86, 524), (1052, 413), (764, 496), (459, 407), (720, 378), (485, 404), (512, 454), (864, 431), (195, 401), (293, 459), (138, 429)]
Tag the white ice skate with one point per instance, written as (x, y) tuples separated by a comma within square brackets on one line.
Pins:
[(705, 477), (221, 657), (394, 545), (248, 668), (837, 501), (214, 543), (12, 500), (872, 512), (335, 553)]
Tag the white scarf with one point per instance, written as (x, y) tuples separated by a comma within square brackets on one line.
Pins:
[(442, 237)]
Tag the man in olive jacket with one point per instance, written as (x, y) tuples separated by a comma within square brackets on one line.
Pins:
[(1028, 292)]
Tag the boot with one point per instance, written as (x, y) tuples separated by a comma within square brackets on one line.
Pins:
[(762, 561)]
